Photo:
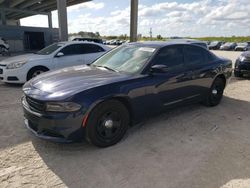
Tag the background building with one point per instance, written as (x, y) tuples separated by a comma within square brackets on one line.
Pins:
[(23, 38)]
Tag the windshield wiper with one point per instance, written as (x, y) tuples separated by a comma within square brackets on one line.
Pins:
[(108, 68)]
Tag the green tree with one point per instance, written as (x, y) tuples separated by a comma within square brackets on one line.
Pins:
[(159, 37)]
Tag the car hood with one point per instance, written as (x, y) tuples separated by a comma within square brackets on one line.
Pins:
[(246, 54), (25, 57), (64, 83)]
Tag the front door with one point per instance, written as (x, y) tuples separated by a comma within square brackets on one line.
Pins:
[(72, 56), (171, 86)]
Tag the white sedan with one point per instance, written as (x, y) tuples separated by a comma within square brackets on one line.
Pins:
[(22, 68)]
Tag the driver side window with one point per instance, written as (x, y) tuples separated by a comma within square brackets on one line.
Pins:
[(172, 57), (74, 49)]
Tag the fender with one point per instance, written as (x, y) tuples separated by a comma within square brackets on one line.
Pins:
[(119, 97)]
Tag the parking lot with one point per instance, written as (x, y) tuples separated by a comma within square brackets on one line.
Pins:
[(192, 146)]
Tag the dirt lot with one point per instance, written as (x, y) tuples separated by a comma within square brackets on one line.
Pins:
[(188, 147)]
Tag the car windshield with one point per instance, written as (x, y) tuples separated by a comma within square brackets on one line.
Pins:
[(214, 43), (228, 44), (127, 58), (50, 49)]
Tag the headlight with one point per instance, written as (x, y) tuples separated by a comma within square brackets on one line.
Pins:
[(242, 58), (62, 107), (16, 65)]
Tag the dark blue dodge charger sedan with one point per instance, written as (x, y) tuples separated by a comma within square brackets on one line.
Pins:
[(100, 101)]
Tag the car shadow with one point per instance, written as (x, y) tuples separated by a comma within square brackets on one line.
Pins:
[(12, 131), (8, 85), (191, 145)]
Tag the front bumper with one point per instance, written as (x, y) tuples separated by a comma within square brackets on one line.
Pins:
[(12, 75), (57, 127), (242, 67)]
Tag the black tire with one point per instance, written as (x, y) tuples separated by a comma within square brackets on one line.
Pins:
[(237, 74), (107, 124), (215, 93), (35, 72), (2, 50)]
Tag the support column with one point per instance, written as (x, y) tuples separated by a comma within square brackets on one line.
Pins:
[(62, 20), (133, 20), (50, 27), (50, 20), (3, 17)]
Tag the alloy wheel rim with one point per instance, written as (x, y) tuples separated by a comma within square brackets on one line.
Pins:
[(217, 92), (109, 125), (36, 73)]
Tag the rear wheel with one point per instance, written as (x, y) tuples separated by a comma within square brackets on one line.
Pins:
[(107, 124), (215, 93)]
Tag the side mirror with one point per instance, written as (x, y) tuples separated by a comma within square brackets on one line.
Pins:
[(59, 54), (159, 68)]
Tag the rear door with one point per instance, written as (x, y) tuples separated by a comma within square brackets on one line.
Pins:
[(73, 55), (200, 63)]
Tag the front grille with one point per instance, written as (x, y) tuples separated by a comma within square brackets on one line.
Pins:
[(1, 71), (12, 78), (51, 133), (33, 126), (35, 104)]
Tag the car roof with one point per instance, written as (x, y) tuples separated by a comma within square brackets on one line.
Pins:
[(78, 42), (84, 42), (187, 40), (160, 44), (87, 38)]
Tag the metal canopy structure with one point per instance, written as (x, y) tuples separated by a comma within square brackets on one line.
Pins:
[(133, 20), (17, 9)]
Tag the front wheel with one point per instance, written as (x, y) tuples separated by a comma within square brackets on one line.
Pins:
[(107, 124), (2, 50), (34, 72), (215, 93)]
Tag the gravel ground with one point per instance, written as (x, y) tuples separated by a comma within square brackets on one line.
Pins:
[(189, 147)]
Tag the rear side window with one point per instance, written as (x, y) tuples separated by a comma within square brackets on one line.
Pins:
[(195, 55), (172, 57), (92, 48)]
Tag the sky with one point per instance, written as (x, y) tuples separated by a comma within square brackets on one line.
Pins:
[(167, 18)]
